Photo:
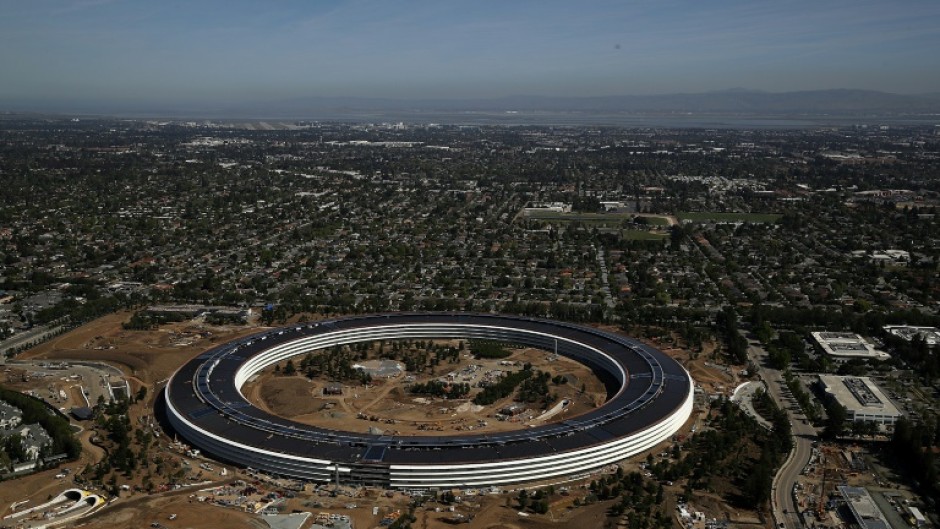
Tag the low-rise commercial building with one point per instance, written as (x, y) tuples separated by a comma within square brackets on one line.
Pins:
[(861, 398), (930, 335), (866, 512), (845, 345)]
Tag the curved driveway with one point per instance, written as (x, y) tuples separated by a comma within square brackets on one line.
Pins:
[(783, 505)]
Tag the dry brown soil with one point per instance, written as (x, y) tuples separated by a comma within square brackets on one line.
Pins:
[(388, 405)]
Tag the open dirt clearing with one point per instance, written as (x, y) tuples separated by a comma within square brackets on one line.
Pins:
[(388, 405), (149, 356)]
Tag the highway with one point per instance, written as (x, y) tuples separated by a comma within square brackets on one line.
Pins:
[(36, 334), (784, 508)]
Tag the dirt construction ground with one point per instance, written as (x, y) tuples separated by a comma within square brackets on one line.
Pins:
[(493, 512), (142, 511), (387, 404), (146, 356)]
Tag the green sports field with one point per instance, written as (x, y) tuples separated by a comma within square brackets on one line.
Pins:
[(709, 216)]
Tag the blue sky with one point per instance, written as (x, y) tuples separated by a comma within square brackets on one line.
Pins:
[(233, 50)]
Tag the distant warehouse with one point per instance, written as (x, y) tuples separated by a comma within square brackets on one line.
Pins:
[(845, 345), (929, 335), (861, 398)]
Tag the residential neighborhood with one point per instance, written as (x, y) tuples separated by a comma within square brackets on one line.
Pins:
[(792, 273)]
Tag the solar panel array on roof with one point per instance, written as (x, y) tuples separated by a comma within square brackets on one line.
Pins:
[(202, 412), (523, 449), (374, 453), (600, 434), (572, 441)]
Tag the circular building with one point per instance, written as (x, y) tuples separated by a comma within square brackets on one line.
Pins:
[(649, 397)]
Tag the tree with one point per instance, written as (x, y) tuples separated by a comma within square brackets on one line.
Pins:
[(523, 499), (835, 421), (758, 484), (289, 368), (675, 237), (13, 445)]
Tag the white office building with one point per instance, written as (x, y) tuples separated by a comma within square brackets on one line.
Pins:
[(930, 335), (861, 398), (845, 345)]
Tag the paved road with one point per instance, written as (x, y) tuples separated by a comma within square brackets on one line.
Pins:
[(605, 285), (786, 478), (784, 508), (744, 397), (36, 334)]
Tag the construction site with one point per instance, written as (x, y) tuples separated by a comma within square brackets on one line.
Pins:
[(177, 486), (827, 491)]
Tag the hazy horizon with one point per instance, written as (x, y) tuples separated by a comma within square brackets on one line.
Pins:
[(127, 53)]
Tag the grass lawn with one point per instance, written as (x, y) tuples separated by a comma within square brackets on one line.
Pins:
[(578, 217), (656, 221), (640, 235), (700, 216), (588, 218)]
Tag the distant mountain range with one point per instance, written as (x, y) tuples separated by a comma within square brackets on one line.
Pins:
[(735, 102)]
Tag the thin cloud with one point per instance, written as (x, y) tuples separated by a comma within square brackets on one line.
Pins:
[(76, 6)]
